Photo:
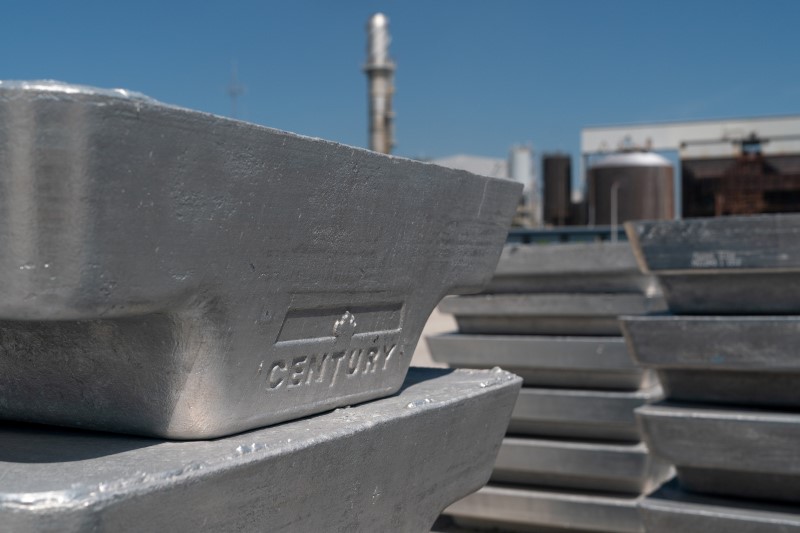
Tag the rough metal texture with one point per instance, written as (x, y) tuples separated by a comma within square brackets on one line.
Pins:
[(670, 510), (547, 314), (719, 265), (599, 267), (385, 465), (748, 360), (727, 451), (583, 465), (573, 362), (583, 414), (172, 273), (529, 510)]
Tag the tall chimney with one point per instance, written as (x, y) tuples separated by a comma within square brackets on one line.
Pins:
[(380, 71)]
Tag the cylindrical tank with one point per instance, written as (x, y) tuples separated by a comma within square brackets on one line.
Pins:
[(637, 185), (557, 171), (520, 165)]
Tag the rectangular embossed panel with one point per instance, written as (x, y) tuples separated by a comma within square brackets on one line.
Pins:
[(385, 465), (172, 273)]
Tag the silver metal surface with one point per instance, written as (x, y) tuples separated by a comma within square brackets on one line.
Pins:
[(572, 362), (530, 510), (584, 414), (384, 465), (670, 510), (746, 360), (172, 273), (723, 265), (600, 267), (739, 452), (547, 314), (584, 465)]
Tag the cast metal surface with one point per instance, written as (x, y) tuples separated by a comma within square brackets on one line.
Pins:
[(723, 265), (572, 362), (670, 510), (739, 452), (582, 414), (584, 465), (385, 465), (172, 273), (747, 360), (547, 314), (533, 510), (598, 267)]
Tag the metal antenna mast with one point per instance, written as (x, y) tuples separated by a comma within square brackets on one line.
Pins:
[(235, 89)]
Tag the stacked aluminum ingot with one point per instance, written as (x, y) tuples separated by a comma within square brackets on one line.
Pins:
[(728, 361), (573, 456), (170, 274)]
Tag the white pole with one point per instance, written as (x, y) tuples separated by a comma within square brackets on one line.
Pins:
[(614, 209)]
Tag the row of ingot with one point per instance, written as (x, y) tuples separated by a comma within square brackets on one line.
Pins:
[(727, 360), (573, 456)]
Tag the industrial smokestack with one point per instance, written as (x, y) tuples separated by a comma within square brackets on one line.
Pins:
[(380, 71)]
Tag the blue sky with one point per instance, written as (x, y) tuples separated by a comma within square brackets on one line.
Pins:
[(472, 77)]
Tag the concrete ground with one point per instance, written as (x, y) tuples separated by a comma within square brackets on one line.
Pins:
[(437, 323)]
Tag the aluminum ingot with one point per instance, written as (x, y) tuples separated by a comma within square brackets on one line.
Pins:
[(537, 510), (582, 414), (746, 360), (723, 265), (671, 509), (384, 465), (571, 362), (599, 267), (547, 314), (730, 451), (585, 465), (171, 273)]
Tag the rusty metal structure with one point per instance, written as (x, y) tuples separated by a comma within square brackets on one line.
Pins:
[(749, 184)]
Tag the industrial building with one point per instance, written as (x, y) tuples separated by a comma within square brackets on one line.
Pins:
[(727, 167), (518, 167)]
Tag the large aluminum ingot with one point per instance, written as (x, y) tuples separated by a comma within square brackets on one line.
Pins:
[(598, 267), (388, 465), (537, 511), (746, 360), (583, 414), (670, 510), (584, 465), (572, 362), (172, 273), (547, 314), (740, 452), (724, 265)]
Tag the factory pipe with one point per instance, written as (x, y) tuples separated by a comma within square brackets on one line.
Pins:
[(380, 72)]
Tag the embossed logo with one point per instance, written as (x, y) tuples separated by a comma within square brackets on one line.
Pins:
[(339, 361)]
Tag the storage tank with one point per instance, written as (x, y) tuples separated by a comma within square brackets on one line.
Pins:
[(639, 183), (557, 171)]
